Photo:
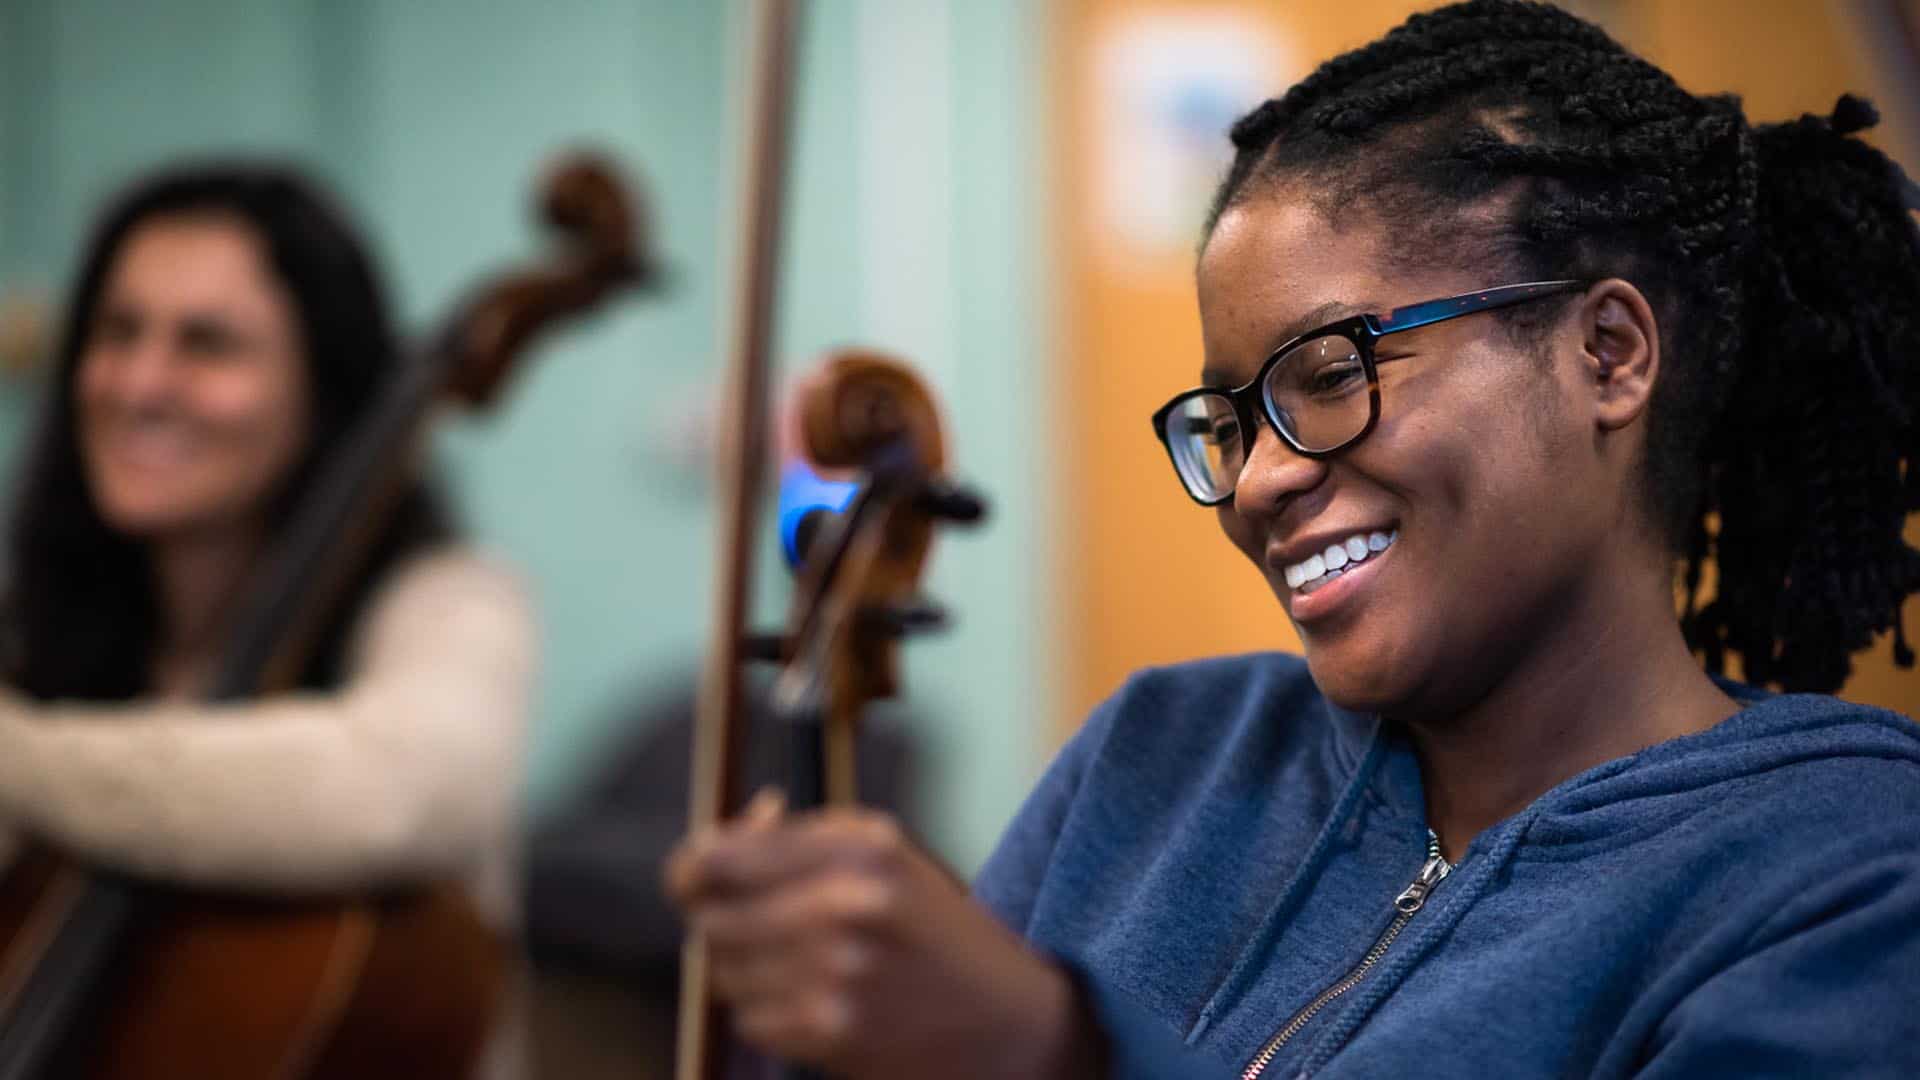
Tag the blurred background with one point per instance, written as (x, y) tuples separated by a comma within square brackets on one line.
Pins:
[(1007, 192)]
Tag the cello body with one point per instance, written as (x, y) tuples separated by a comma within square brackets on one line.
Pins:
[(226, 986)]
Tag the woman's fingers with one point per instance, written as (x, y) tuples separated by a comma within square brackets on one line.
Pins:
[(764, 810), (791, 969), (810, 1028), (795, 965), (795, 916), (685, 872), (836, 900), (836, 943), (752, 855)]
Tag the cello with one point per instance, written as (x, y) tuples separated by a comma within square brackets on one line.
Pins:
[(104, 976), (858, 593)]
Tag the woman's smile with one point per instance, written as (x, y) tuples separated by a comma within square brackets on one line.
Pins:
[(1341, 565), (150, 444)]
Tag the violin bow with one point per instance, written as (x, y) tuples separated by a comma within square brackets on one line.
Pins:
[(719, 718)]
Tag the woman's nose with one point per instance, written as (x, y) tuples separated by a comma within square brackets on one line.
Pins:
[(1273, 474), (144, 371)]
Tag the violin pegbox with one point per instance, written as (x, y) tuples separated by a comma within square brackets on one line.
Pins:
[(859, 593)]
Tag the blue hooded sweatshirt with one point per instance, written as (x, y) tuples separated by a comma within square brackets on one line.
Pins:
[(1228, 862)]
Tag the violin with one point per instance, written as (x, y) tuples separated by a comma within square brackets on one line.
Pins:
[(107, 976), (858, 592)]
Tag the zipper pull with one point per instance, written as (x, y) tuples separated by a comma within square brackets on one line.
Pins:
[(1414, 896)]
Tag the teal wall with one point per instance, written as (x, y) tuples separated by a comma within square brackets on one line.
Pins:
[(914, 226)]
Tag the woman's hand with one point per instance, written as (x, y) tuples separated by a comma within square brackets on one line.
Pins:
[(839, 944)]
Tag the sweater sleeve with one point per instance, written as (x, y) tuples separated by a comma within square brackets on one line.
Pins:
[(1139, 1045), (410, 771), (1826, 988), (1009, 883)]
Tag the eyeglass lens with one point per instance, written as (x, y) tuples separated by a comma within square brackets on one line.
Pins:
[(1204, 434), (1317, 392)]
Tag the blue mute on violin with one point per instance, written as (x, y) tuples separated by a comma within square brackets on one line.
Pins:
[(806, 501)]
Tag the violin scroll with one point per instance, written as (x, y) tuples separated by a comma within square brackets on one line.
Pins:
[(867, 404), (871, 411)]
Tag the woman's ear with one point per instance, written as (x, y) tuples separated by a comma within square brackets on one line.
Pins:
[(1620, 347)]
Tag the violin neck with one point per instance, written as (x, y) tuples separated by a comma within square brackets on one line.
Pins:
[(821, 770), (807, 764), (807, 790), (813, 776)]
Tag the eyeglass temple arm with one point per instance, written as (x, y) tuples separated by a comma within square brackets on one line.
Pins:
[(1433, 311)]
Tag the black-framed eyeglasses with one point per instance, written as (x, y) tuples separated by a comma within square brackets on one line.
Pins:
[(1319, 391)]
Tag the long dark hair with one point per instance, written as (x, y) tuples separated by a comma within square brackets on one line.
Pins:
[(80, 613), (1784, 437)]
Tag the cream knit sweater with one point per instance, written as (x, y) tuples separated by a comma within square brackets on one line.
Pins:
[(410, 772)]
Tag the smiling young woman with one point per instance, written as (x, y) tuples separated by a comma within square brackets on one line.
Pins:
[(225, 334), (1501, 326)]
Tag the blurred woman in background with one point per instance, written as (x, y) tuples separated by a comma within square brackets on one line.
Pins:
[(226, 332), (1502, 328)]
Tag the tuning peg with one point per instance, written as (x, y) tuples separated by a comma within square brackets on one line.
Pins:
[(919, 616), (950, 502)]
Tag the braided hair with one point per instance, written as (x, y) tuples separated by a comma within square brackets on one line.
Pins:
[(1783, 439)]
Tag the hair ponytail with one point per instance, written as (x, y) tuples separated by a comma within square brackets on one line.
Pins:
[(1815, 463)]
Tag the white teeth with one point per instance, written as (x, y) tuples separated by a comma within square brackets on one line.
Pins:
[(1316, 583), (1323, 567)]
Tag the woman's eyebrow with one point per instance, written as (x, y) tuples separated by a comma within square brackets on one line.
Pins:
[(210, 329), (1331, 311)]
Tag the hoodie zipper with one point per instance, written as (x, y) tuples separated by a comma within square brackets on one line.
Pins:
[(1410, 901)]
